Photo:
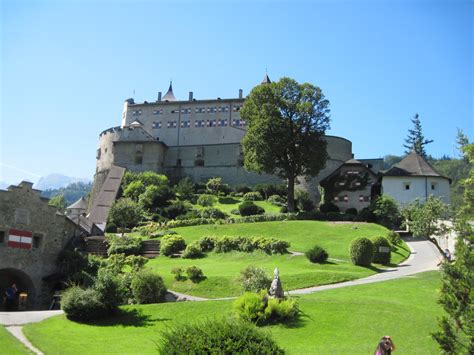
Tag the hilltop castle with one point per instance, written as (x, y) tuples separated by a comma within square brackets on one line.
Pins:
[(195, 138)]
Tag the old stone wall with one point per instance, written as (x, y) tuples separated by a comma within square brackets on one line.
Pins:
[(22, 208)]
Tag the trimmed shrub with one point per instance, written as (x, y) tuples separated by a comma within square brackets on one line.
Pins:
[(252, 196), (218, 337), (193, 251), (394, 238), (211, 212), (226, 244), (277, 200), (206, 200), (379, 256), (178, 273), (171, 244), (362, 251), (176, 209), (207, 243), (328, 207), (259, 308), (147, 287), (248, 208), (254, 279), (82, 305), (214, 185), (304, 201), (155, 197), (108, 287), (123, 245), (317, 254), (195, 273), (271, 245), (352, 211)]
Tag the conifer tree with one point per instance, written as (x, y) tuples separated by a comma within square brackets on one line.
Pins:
[(416, 140)]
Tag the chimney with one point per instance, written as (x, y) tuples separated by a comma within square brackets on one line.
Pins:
[(159, 96), (190, 96), (240, 93)]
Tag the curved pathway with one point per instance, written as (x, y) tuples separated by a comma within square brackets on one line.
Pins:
[(424, 257)]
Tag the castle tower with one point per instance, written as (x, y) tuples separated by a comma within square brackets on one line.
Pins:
[(169, 96)]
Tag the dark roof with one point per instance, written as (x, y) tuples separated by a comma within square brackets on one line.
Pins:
[(169, 96), (79, 204), (413, 165), (266, 80), (348, 162)]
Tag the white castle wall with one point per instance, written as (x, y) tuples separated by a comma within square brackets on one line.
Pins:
[(395, 186)]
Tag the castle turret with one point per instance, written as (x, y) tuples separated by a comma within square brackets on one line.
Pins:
[(169, 96)]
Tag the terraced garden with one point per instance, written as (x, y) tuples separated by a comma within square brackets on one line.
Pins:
[(223, 269)]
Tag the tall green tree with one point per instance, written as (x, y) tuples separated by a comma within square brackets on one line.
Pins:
[(456, 327), (59, 202), (286, 126), (416, 140)]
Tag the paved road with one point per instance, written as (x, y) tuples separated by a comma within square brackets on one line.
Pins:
[(19, 318)]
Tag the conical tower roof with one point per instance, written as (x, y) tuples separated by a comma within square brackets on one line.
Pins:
[(266, 79), (169, 96)]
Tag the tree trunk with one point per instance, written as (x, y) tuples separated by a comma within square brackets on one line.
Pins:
[(291, 194)]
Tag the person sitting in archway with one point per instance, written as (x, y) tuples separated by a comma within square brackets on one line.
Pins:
[(10, 297)]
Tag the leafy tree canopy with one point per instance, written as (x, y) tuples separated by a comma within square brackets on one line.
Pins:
[(286, 125), (59, 202)]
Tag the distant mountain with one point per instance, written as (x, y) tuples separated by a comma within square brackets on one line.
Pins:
[(4, 185), (71, 192), (57, 181)]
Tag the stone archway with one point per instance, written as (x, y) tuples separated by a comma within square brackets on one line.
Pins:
[(23, 282)]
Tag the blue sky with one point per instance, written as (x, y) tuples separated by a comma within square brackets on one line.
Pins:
[(67, 67)]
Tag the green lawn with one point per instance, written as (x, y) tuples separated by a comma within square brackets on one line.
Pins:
[(342, 321), (9, 345), (227, 204), (222, 270)]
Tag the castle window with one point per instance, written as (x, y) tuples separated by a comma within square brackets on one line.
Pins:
[(174, 111), (2, 237), (186, 111), (224, 109), (37, 241), (97, 155), (156, 125), (336, 198), (136, 112), (139, 148), (158, 112), (211, 123), (222, 123), (212, 109), (185, 124), (236, 108), (200, 110), (199, 123), (346, 198), (199, 152), (199, 162), (171, 124), (406, 185), (178, 162), (238, 123), (366, 198), (138, 159), (433, 186)]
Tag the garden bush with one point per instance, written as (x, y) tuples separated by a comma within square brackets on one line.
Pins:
[(367, 215), (243, 189), (394, 238), (226, 244), (362, 251), (304, 201), (108, 287), (248, 208), (254, 279), (258, 308), (171, 244), (82, 305), (271, 245), (317, 254), (277, 200), (381, 257), (178, 273), (352, 211), (123, 245), (176, 209), (206, 200), (211, 212), (207, 243), (147, 287), (252, 196), (195, 273), (246, 244), (235, 211), (328, 207), (218, 337), (193, 251), (156, 197)]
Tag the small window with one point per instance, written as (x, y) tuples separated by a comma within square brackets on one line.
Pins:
[(433, 186), (138, 159), (346, 198), (37, 241), (97, 156), (2, 237), (199, 152), (361, 198), (336, 198), (407, 186), (178, 162), (199, 162)]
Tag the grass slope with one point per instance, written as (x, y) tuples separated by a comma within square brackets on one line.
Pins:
[(10, 345), (227, 204), (343, 321), (222, 270)]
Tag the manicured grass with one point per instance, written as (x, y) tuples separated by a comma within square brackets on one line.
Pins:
[(342, 321), (222, 270), (227, 204), (10, 345)]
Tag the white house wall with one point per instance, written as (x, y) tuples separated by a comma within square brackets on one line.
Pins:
[(420, 188)]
